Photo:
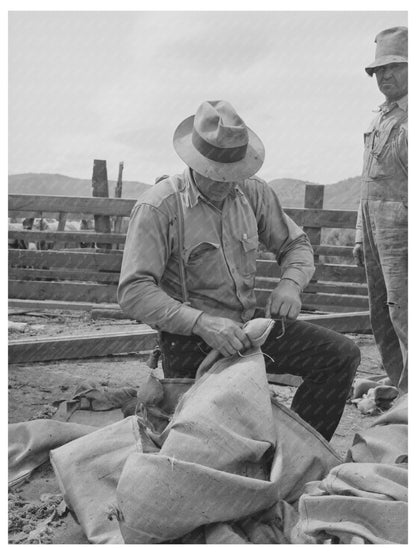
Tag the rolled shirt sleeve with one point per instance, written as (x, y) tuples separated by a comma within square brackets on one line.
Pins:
[(282, 236)]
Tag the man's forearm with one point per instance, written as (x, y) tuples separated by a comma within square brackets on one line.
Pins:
[(143, 300), (297, 262)]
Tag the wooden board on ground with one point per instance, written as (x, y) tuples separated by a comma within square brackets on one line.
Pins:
[(37, 304), (89, 345)]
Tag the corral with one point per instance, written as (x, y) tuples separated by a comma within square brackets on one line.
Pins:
[(77, 278), (66, 297)]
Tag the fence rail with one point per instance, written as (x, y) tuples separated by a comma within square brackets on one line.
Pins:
[(91, 274)]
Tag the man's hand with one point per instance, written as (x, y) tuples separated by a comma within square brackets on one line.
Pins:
[(284, 300), (358, 254), (222, 334)]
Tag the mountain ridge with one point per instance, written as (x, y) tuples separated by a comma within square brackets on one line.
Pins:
[(344, 194)]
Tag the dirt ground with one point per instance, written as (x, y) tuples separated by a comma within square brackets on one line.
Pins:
[(37, 513)]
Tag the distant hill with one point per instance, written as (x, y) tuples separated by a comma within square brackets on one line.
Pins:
[(342, 195), (56, 184)]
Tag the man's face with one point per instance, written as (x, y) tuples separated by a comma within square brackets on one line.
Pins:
[(215, 191), (392, 80)]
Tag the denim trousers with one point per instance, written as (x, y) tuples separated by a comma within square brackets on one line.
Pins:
[(326, 360), (385, 225)]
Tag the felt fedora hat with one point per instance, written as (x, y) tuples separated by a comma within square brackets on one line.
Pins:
[(216, 143), (391, 48)]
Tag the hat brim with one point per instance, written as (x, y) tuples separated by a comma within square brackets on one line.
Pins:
[(217, 171), (383, 61)]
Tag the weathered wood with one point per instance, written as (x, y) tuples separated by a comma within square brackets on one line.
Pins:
[(323, 218), (66, 274), (319, 287), (110, 262), (61, 227), (67, 236), (351, 322), (63, 306), (333, 250), (314, 199), (100, 189), (93, 237), (118, 193), (110, 314), (86, 346), (316, 300), (69, 291), (46, 204), (324, 272)]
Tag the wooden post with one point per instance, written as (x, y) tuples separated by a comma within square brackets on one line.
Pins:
[(117, 193), (100, 189), (119, 186), (314, 199), (61, 227)]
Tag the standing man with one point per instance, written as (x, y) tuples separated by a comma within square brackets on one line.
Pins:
[(189, 266), (381, 238)]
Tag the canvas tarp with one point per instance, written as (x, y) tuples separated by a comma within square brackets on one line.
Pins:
[(364, 501), (229, 452)]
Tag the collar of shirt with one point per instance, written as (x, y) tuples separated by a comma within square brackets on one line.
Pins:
[(387, 107), (193, 194)]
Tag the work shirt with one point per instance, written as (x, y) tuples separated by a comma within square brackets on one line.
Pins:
[(219, 254), (385, 158)]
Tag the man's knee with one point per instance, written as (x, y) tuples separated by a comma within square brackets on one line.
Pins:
[(350, 354)]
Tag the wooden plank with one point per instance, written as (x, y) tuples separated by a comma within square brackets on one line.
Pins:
[(92, 236), (28, 304), (320, 300), (319, 287), (38, 204), (69, 291), (61, 259), (86, 346), (67, 236), (76, 205), (110, 314), (333, 250), (57, 274), (325, 272), (323, 218), (340, 273), (351, 322)]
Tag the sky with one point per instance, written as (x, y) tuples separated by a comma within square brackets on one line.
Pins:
[(114, 85)]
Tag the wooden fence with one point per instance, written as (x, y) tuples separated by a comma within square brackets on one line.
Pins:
[(78, 276)]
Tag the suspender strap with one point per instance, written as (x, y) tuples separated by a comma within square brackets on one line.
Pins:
[(181, 233)]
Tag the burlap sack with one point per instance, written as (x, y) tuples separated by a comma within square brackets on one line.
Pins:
[(228, 453)]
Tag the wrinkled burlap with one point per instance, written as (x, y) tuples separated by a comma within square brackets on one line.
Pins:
[(30, 443), (228, 453), (364, 501)]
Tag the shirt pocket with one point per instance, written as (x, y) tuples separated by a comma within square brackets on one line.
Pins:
[(203, 265), (248, 253), (196, 255), (379, 151)]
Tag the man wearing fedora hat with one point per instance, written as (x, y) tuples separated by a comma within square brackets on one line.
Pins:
[(381, 238), (189, 266)]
